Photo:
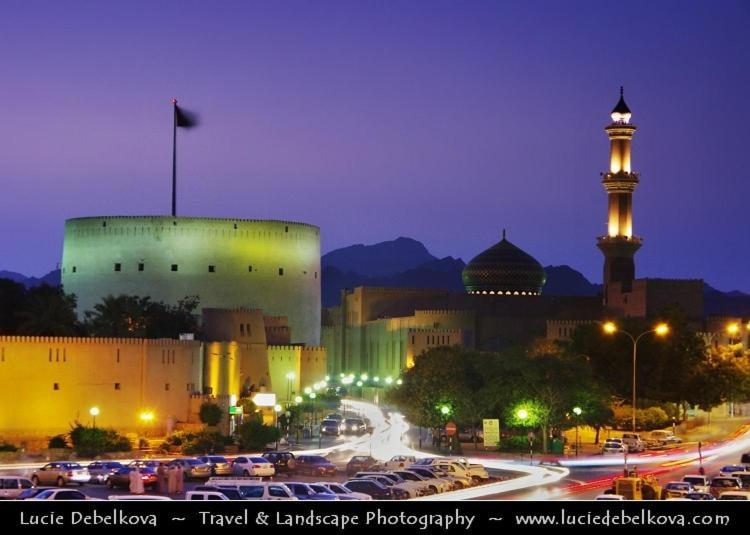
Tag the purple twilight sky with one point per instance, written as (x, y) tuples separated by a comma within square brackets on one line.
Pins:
[(442, 121)]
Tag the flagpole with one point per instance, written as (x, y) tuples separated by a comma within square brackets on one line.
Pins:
[(174, 159)]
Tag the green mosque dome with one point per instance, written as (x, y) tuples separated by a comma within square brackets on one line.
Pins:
[(504, 269)]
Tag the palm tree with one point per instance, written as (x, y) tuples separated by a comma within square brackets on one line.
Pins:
[(48, 311)]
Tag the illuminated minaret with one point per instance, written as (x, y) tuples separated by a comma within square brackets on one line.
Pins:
[(619, 245)]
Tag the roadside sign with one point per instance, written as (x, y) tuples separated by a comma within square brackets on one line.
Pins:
[(235, 409), (491, 433), (450, 429)]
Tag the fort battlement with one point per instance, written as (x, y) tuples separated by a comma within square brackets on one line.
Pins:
[(175, 221), (433, 331), (92, 340)]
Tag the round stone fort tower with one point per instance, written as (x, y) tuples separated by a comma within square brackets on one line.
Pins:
[(227, 263)]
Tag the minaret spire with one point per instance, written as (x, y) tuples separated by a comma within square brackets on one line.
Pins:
[(620, 244)]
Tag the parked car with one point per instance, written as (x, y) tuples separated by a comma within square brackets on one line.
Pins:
[(145, 463), (677, 489), (341, 490), (744, 478), (60, 474), (442, 481), (284, 462), (305, 492), (430, 485), (458, 477), (735, 495), (330, 427), (12, 486), (205, 495), (27, 494), (120, 478), (138, 498), (258, 490), (700, 496), (219, 465), (475, 471), (315, 465), (376, 490), (614, 445), (634, 442), (100, 470), (720, 485), (192, 468), (664, 438), (231, 494), (324, 489), (59, 494), (398, 461), (727, 471), (359, 463), (609, 497), (700, 483), (253, 466), (388, 479), (353, 426), (458, 471), (335, 416)]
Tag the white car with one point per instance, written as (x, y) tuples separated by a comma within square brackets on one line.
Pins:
[(391, 480), (397, 462), (425, 487), (735, 495), (677, 489), (253, 466), (442, 480), (254, 489), (437, 485), (457, 472), (634, 442), (201, 495), (61, 494), (700, 483), (609, 498), (138, 498), (614, 445), (476, 471), (12, 486), (340, 489)]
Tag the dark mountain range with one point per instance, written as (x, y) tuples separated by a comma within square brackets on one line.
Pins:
[(380, 259), (52, 278)]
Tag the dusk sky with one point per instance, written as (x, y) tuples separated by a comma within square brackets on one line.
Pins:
[(441, 121)]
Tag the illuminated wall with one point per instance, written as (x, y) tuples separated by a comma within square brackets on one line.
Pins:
[(228, 263), (47, 383)]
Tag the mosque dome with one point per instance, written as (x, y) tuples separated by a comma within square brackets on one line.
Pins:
[(504, 269)]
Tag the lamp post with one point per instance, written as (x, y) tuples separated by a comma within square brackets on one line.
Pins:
[(94, 412), (523, 415), (146, 418), (276, 411), (289, 380), (445, 411), (661, 330), (577, 411)]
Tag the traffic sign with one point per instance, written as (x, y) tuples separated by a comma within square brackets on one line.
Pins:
[(491, 432), (450, 429)]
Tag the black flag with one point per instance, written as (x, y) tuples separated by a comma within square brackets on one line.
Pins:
[(182, 119)]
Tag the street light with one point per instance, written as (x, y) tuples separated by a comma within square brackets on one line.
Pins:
[(661, 329), (94, 412), (522, 414), (289, 379), (577, 411)]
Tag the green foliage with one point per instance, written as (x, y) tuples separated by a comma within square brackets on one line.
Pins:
[(40, 311), (131, 316), (518, 443), (8, 447), (204, 442), (210, 414), (254, 436), (645, 419), (92, 441), (58, 442)]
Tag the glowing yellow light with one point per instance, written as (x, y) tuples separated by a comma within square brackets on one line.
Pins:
[(94, 411), (609, 327), (146, 416), (522, 414), (290, 375), (733, 328), (298, 399), (662, 329), (277, 408)]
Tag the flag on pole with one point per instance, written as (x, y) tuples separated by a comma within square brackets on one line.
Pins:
[(182, 119)]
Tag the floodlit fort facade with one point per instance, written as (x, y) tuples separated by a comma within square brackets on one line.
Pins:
[(228, 263), (149, 386)]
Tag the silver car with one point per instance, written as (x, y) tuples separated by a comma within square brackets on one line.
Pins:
[(60, 474), (192, 468), (99, 471), (219, 465)]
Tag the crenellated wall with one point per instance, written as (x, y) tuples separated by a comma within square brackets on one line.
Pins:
[(227, 263)]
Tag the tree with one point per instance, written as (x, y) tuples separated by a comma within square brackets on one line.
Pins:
[(48, 311), (131, 316), (254, 435), (12, 299), (210, 414)]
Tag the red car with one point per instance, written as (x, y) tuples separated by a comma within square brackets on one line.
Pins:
[(359, 463), (314, 465), (121, 477)]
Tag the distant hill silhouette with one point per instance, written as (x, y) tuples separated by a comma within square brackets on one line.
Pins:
[(720, 303), (380, 259), (52, 278)]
